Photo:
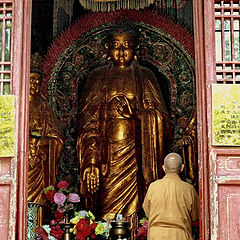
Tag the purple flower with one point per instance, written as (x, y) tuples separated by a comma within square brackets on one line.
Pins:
[(73, 197), (59, 198), (38, 237)]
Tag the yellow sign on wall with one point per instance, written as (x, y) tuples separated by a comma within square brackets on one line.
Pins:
[(6, 125), (226, 114)]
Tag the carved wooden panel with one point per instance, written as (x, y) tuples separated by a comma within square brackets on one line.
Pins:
[(228, 166), (5, 165), (227, 34), (225, 193), (229, 212), (6, 8), (4, 210), (6, 180)]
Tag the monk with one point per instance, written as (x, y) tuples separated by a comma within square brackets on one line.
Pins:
[(170, 204)]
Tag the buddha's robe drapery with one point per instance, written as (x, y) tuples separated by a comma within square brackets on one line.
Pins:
[(121, 131)]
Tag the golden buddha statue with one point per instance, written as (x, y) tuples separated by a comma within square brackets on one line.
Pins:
[(122, 122), (45, 143)]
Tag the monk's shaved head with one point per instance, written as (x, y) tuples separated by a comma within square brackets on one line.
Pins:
[(173, 163)]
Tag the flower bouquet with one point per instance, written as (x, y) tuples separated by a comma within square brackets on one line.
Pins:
[(85, 227), (142, 231), (63, 203)]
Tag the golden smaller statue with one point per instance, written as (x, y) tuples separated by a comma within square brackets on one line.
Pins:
[(188, 149), (45, 143)]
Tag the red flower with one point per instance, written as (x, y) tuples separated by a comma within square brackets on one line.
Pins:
[(50, 195), (58, 215), (80, 236), (141, 238), (82, 225), (63, 185), (93, 226), (87, 232), (142, 233), (56, 232), (93, 236)]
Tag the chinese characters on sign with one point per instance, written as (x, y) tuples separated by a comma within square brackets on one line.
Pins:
[(6, 125), (226, 114)]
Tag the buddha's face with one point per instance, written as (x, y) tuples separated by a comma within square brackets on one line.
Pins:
[(121, 49), (35, 80)]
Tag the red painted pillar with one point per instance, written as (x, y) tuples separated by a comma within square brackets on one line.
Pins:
[(21, 71), (13, 170), (204, 32), (219, 166)]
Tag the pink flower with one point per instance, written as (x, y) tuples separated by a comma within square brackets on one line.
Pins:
[(63, 185), (68, 207), (53, 222), (59, 198), (61, 208), (145, 225), (73, 197)]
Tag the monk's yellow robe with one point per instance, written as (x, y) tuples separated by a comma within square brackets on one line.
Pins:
[(171, 205)]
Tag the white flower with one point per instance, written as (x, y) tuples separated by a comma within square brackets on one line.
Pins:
[(106, 227), (83, 214), (51, 238), (46, 228)]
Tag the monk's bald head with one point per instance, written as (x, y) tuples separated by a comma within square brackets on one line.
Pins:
[(173, 163)]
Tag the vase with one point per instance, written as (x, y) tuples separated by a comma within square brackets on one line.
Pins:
[(66, 226), (67, 235), (32, 220), (119, 230)]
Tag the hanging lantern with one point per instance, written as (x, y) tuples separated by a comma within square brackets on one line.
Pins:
[(112, 5)]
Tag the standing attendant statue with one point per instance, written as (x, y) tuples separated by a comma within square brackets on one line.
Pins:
[(122, 129), (45, 144)]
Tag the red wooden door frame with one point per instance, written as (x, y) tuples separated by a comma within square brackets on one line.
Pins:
[(204, 39), (20, 72)]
